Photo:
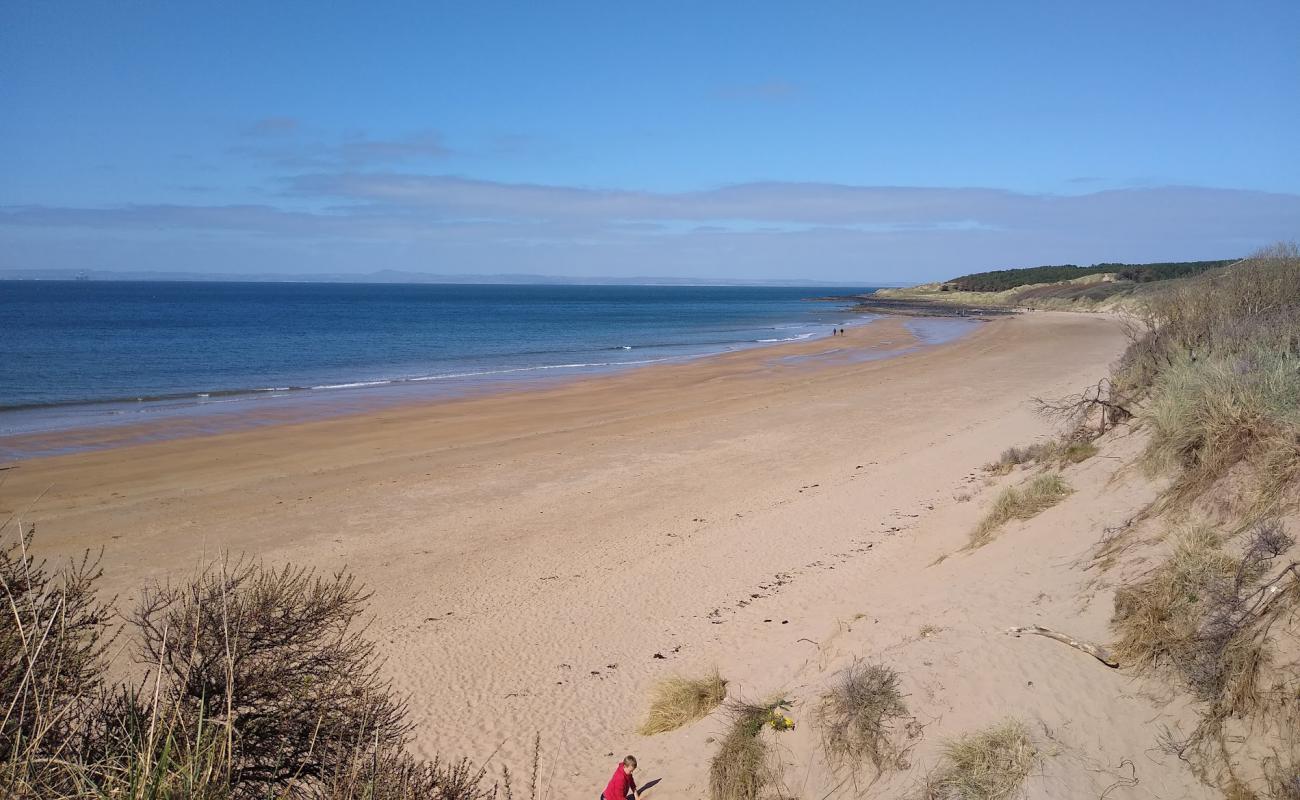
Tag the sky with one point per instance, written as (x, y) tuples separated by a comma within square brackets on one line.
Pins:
[(857, 142)]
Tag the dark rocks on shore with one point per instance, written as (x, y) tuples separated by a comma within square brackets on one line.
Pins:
[(924, 308)]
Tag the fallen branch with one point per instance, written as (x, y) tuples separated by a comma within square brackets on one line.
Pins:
[(1096, 651)]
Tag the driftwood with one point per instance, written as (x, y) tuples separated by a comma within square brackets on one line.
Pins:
[(1096, 651)]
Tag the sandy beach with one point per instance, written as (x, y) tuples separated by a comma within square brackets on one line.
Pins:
[(540, 558)]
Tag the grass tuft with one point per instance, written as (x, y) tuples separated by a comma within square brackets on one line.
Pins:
[(1078, 452), (1157, 619), (678, 701), (1020, 502), (987, 765), (1218, 358), (857, 715), (741, 769), (1205, 612)]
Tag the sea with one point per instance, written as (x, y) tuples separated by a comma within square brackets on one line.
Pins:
[(89, 354)]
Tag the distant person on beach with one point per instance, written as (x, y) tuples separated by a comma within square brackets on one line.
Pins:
[(621, 785)]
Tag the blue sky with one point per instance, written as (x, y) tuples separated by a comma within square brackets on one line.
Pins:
[(857, 142)]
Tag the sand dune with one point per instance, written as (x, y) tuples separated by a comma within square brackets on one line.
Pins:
[(540, 558)]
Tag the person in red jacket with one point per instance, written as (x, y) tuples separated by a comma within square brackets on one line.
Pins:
[(622, 785)]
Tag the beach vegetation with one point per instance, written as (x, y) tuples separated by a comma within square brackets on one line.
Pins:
[(1020, 502), (1077, 452), (1054, 452), (1218, 359), (990, 764), (1004, 279), (1212, 375), (1210, 614), (1205, 611), (742, 768), (260, 683), (858, 717), (676, 701)]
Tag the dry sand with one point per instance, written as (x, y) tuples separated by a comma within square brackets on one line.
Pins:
[(774, 513)]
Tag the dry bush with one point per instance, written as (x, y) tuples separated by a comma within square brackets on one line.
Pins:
[(394, 774), (990, 764), (261, 685), (53, 635), (857, 717), (741, 769), (1020, 502), (1105, 403), (1201, 611), (1157, 619), (677, 701), (275, 657), (1207, 614)]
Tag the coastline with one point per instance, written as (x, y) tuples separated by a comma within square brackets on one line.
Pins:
[(531, 552), (262, 408)]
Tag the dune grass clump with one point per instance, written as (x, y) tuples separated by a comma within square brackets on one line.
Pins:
[(1014, 457), (1157, 619), (1020, 502), (1218, 359), (676, 701), (742, 769), (1077, 452), (1203, 612), (857, 716), (990, 764), (1209, 413), (1207, 615), (1057, 452)]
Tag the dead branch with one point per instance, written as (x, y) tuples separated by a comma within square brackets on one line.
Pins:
[(1096, 651)]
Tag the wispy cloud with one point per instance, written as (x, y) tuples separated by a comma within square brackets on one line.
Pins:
[(350, 152), (860, 233)]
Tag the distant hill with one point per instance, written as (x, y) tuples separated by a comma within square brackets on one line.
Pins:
[(1003, 279)]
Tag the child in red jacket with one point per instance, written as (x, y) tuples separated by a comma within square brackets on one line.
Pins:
[(622, 785)]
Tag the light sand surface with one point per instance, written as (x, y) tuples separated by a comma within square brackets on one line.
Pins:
[(777, 517)]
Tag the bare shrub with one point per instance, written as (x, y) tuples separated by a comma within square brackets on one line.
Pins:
[(678, 701), (394, 774), (276, 657), (53, 635), (857, 717), (262, 685), (1104, 402), (991, 764), (1038, 494)]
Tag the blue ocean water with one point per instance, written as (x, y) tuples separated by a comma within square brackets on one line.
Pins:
[(86, 352)]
